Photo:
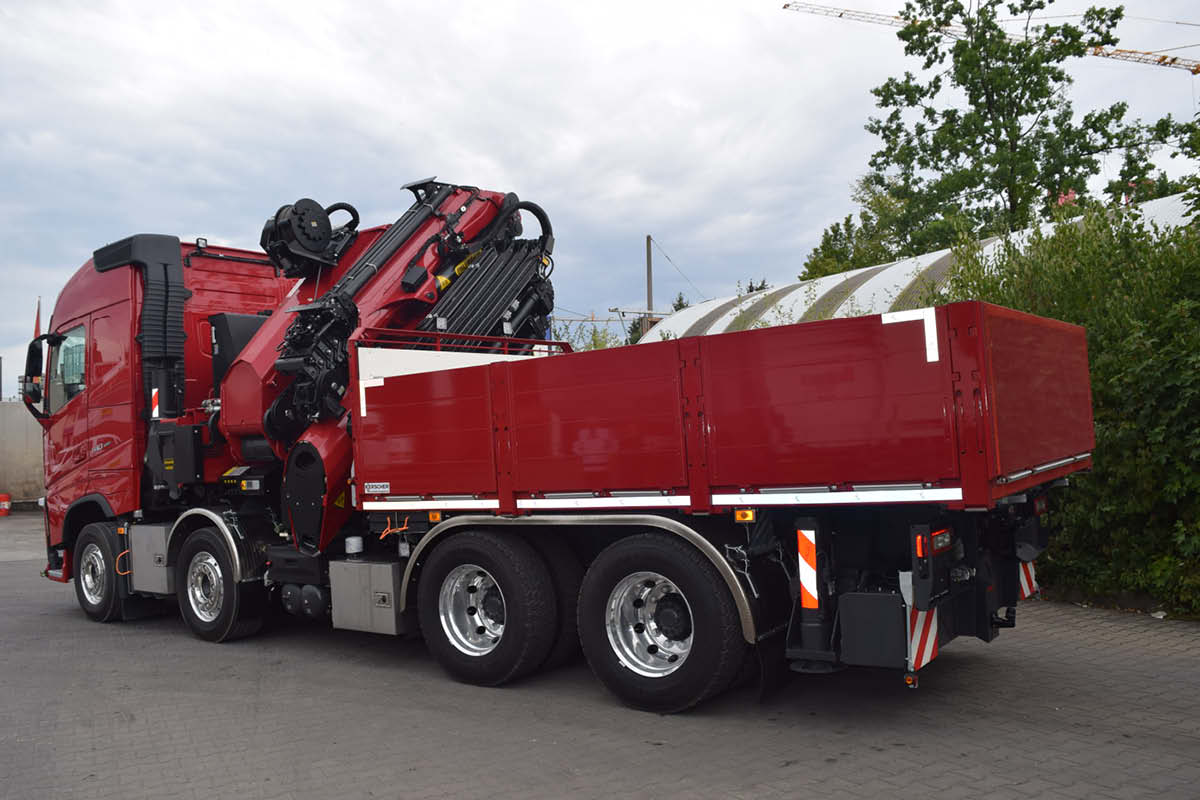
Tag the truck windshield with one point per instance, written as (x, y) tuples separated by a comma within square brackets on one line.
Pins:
[(66, 378)]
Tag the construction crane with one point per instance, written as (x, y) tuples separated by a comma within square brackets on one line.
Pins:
[(959, 32)]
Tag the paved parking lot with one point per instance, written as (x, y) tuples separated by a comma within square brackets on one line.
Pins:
[(1079, 703)]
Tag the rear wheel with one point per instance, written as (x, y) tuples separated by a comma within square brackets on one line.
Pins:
[(486, 604), (95, 566), (213, 605), (658, 624)]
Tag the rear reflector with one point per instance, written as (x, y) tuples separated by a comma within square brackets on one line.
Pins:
[(806, 547)]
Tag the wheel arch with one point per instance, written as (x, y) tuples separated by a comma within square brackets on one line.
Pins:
[(84, 511), (194, 519), (641, 521)]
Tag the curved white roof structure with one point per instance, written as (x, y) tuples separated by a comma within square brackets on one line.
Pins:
[(897, 286)]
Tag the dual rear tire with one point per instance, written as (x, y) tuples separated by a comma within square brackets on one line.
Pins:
[(655, 620), (658, 625), (487, 607)]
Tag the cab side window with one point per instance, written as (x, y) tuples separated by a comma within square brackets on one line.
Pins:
[(67, 369)]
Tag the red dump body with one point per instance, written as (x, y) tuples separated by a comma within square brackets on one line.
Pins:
[(960, 405)]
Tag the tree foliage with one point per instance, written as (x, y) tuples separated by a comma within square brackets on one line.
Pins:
[(983, 138), (1133, 523), (1012, 144), (585, 335), (752, 286)]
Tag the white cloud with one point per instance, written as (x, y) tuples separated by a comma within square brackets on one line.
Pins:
[(729, 130)]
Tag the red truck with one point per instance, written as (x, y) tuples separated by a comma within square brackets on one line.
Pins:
[(370, 429)]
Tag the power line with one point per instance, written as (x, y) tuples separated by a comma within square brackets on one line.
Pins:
[(677, 269), (1169, 49), (569, 310), (1165, 21)]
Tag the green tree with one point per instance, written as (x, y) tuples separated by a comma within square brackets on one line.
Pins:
[(989, 129), (985, 139), (585, 334), (889, 226), (752, 286)]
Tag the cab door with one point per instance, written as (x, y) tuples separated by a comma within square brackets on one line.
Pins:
[(114, 447), (66, 439)]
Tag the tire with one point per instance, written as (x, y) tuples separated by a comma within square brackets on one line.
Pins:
[(689, 647), (566, 573), (95, 566), (215, 608), (509, 631)]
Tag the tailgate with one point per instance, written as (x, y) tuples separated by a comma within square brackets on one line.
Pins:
[(1040, 391)]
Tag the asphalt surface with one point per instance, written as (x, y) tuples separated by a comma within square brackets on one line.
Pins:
[(1075, 702)]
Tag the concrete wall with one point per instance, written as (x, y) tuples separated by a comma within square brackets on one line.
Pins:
[(20, 453)]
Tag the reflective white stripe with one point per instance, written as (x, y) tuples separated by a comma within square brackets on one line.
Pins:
[(839, 498), (926, 655), (808, 572), (1029, 584), (925, 315), (422, 505), (926, 625), (625, 501)]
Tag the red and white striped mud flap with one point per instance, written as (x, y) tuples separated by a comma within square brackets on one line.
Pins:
[(922, 638), (1028, 576)]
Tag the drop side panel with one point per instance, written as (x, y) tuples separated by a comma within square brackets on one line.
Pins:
[(1040, 386), (841, 401), (428, 433), (606, 419)]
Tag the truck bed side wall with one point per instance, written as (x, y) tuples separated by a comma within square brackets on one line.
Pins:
[(844, 401)]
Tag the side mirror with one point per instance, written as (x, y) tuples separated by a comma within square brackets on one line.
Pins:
[(31, 381)]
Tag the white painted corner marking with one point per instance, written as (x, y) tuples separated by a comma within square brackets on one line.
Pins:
[(363, 385), (925, 315)]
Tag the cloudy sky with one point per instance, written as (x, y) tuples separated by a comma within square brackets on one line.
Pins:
[(731, 131)]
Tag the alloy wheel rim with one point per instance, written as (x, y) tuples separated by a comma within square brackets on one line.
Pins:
[(472, 610), (649, 624), (205, 587), (93, 574)]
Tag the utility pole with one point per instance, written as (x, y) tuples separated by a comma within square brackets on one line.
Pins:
[(649, 278)]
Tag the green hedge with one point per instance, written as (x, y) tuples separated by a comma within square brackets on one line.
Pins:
[(1133, 524)]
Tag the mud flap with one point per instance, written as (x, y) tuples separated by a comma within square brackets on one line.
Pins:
[(773, 672), (132, 606)]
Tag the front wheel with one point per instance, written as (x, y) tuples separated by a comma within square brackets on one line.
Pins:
[(213, 605), (95, 566), (658, 624), (487, 607)]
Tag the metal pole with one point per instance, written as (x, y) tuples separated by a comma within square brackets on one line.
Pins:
[(649, 278)]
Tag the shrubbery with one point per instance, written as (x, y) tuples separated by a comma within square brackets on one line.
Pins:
[(1133, 524)]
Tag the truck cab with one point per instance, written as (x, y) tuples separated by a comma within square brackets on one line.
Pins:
[(96, 403)]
